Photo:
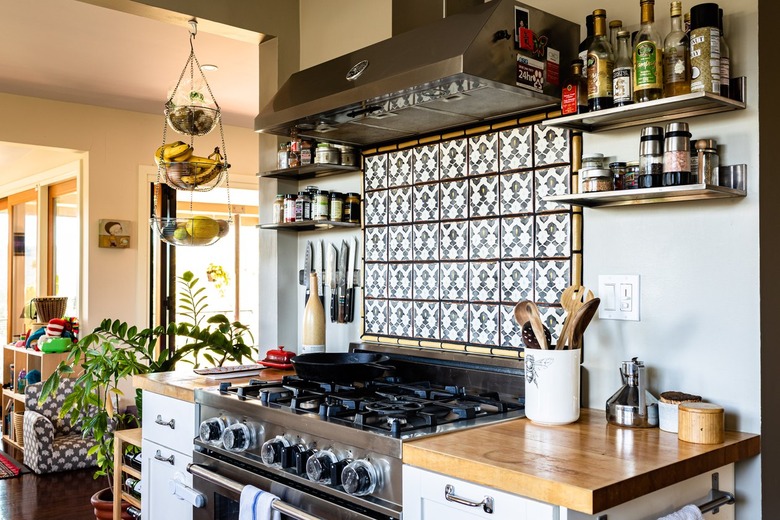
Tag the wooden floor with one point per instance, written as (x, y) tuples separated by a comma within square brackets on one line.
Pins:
[(60, 496)]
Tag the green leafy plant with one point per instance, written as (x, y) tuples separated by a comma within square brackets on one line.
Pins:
[(99, 361)]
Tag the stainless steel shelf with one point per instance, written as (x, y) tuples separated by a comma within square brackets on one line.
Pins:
[(308, 225), (654, 112), (647, 196), (308, 171)]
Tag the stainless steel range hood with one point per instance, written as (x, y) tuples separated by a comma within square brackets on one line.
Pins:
[(463, 69)]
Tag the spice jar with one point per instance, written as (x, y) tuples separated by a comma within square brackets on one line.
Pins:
[(305, 158), (327, 154), (592, 160), (618, 174), (282, 161), (336, 211), (708, 161), (651, 157), (289, 207), (278, 209), (677, 155), (348, 155), (597, 179), (694, 162), (303, 206), (352, 208), (631, 178), (320, 206)]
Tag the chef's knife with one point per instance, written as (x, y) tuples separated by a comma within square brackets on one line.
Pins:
[(307, 260), (331, 274), (321, 271), (343, 258), (350, 292), (355, 279)]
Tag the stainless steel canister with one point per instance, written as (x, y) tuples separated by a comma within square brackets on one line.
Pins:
[(348, 155), (651, 157), (709, 160), (677, 154), (327, 154)]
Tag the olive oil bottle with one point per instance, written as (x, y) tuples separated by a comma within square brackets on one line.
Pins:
[(648, 57), (601, 61), (677, 56)]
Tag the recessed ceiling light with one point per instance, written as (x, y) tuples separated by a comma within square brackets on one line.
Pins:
[(208, 66)]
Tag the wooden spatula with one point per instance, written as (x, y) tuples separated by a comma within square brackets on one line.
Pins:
[(572, 298), (580, 322)]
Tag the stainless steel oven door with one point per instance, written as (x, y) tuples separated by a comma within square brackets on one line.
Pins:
[(221, 484)]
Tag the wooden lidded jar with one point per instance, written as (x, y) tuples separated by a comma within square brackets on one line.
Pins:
[(701, 423)]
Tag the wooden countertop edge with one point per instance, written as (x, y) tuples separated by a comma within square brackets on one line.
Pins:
[(182, 384), (542, 484)]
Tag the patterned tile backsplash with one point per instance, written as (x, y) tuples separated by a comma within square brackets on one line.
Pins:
[(457, 232)]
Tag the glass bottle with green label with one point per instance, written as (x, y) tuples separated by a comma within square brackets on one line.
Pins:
[(648, 57), (601, 61)]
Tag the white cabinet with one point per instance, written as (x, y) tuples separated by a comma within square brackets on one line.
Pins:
[(425, 498), (169, 425)]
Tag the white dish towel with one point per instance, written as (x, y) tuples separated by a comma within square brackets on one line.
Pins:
[(255, 504), (689, 512)]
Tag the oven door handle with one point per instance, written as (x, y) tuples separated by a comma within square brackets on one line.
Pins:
[(215, 478)]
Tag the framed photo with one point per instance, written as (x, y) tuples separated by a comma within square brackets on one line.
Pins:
[(114, 233)]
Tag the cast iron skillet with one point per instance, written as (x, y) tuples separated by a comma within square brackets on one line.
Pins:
[(334, 366)]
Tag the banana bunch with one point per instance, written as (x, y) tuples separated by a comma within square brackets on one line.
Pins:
[(204, 169), (173, 152)]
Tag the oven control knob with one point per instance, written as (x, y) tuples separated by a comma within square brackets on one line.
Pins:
[(241, 436), (359, 478), (271, 452), (211, 430), (318, 466)]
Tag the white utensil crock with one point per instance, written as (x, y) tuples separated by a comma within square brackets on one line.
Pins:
[(552, 386)]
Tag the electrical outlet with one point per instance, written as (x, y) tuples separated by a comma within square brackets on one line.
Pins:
[(619, 297)]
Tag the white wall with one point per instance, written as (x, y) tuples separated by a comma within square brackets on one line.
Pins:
[(116, 144), (698, 261)]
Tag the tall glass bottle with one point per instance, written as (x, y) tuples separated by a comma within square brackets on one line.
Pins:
[(622, 75), (725, 63), (615, 26), (677, 56), (574, 94), (601, 61), (582, 53), (648, 53)]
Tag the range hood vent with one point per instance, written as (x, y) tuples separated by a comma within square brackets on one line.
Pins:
[(458, 71)]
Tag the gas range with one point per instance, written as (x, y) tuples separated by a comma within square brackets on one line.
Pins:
[(344, 440)]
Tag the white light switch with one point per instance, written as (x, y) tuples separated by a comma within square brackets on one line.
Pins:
[(619, 297)]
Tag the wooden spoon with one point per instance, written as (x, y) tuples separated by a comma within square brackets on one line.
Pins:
[(526, 311), (580, 322), (572, 298)]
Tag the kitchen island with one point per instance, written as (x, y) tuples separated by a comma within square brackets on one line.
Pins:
[(588, 466)]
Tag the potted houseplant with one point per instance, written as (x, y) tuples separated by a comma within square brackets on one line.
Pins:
[(116, 350)]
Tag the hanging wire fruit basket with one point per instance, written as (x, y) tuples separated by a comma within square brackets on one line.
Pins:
[(191, 111)]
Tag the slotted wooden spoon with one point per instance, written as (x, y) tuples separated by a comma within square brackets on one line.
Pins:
[(572, 298), (526, 311)]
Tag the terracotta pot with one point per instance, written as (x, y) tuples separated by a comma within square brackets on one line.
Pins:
[(103, 503)]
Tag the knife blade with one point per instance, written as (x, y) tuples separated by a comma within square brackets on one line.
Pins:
[(331, 274), (342, 276), (307, 262), (352, 282), (321, 270)]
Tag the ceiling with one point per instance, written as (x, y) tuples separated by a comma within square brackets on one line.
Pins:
[(72, 51)]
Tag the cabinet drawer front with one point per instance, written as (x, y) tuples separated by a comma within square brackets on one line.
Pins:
[(169, 422), (161, 465), (424, 499)]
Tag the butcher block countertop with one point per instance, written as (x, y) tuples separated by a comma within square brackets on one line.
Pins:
[(181, 384), (588, 466)]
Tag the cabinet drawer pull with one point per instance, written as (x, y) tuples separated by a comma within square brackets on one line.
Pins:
[(159, 457), (171, 423), (486, 503)]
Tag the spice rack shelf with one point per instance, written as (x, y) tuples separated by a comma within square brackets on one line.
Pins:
[(653, 112), (308, 225), (603, 199), (308, 171)]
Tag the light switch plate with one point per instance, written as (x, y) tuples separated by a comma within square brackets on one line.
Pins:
[(619, 295)]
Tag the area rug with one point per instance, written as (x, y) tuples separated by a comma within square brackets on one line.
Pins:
[(10, 468)]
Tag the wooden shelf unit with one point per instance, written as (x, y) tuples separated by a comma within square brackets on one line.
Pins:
[(23, 359), (121, 439)]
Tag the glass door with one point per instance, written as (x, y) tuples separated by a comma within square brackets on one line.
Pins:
[(24, 259), (5, 256)]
